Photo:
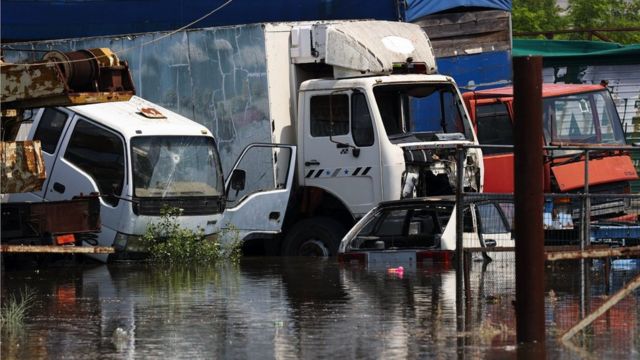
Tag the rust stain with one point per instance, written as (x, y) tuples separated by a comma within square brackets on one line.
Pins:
[(21, 166), (592, 253), (56, 249)]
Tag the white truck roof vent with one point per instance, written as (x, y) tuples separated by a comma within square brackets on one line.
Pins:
[(362, 47)]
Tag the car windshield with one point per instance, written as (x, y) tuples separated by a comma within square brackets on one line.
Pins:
[(423, 112), (587, 118), (175, 166)]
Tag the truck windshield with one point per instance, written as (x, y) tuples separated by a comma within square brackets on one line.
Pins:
[(587, 118), (422, 112), (175, 166)]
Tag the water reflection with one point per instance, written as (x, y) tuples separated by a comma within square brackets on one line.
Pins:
[(291, 308)]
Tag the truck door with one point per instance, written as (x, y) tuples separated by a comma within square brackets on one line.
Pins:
[(340, 152), (258, 190), (494, 127), (50, 129), (92, 160)]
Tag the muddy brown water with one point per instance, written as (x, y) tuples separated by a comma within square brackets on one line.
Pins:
[(304, 308)]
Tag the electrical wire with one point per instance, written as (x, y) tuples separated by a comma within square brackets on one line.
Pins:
[(130, 48)]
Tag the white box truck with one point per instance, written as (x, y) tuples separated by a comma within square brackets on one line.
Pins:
[(372, 121), (357, 115)]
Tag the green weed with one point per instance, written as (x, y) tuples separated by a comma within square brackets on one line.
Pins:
[(168, 242)]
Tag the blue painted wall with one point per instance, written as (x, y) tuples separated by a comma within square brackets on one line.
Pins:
[(478, 71)]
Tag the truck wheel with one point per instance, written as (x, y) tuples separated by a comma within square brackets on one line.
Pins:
[(318, 236)]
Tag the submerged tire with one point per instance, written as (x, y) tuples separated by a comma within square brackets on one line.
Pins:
[(318, 236)]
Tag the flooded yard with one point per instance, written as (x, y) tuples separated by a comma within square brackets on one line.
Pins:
[(290, 308)]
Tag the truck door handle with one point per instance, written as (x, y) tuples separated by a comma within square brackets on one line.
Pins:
[(311, 163), (59, 187)]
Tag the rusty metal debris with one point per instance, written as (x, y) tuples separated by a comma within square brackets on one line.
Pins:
[(592, 253), (56, 249), (60, 79), (22, 167)]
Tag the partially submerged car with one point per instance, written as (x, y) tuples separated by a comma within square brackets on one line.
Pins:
[(411, 232)]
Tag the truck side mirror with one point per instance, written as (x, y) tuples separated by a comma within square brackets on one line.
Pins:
[(238, 177)]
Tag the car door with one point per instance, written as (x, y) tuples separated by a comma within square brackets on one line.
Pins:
[(340, 152), (258, 190)]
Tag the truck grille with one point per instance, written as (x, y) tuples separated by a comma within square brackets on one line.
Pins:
[(206, 205)]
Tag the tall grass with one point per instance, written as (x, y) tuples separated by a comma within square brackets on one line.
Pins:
[(14, 310), (169, 242)]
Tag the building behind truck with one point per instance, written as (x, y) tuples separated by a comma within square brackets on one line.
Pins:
[(345, 93)]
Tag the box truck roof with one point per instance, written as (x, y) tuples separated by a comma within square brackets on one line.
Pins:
[(362, 46), (140, 117)]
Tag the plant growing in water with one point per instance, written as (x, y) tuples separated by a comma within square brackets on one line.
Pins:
[(14, 309), (168, 241)]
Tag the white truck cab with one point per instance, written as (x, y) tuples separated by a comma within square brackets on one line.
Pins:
[(139, 157)]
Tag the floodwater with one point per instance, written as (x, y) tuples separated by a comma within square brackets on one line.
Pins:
[(305, 308)]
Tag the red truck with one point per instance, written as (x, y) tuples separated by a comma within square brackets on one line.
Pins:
[(573, 115)]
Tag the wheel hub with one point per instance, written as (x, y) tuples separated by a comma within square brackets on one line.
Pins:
[(313, 247)]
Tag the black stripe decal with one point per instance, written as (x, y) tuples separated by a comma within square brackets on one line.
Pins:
[(355, 173), (310, 173), (319, 173), (336, 172), (366, 171)]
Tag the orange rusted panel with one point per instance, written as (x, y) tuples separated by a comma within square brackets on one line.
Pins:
[(22, 166), (601, 171)]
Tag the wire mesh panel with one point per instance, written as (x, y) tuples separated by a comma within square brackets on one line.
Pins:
[(604, 214)]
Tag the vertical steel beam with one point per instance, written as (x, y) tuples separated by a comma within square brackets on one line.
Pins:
[(529, 199)]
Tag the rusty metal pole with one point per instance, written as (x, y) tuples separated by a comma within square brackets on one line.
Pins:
[(529, 199)]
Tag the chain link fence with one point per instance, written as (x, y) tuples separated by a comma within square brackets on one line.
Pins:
[(599, 217)]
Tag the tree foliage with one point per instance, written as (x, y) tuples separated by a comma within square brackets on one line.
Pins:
[(545, 15)]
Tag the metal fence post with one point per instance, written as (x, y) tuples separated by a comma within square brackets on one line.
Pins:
[(529, 199), (459, 251), (587, 202), (459, 206)]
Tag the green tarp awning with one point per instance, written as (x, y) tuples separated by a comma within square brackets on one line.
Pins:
[(578, 52)]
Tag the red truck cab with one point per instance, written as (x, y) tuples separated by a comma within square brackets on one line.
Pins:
[(573, 115)]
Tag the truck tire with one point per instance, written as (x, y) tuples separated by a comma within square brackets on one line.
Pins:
[(319, 236)]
